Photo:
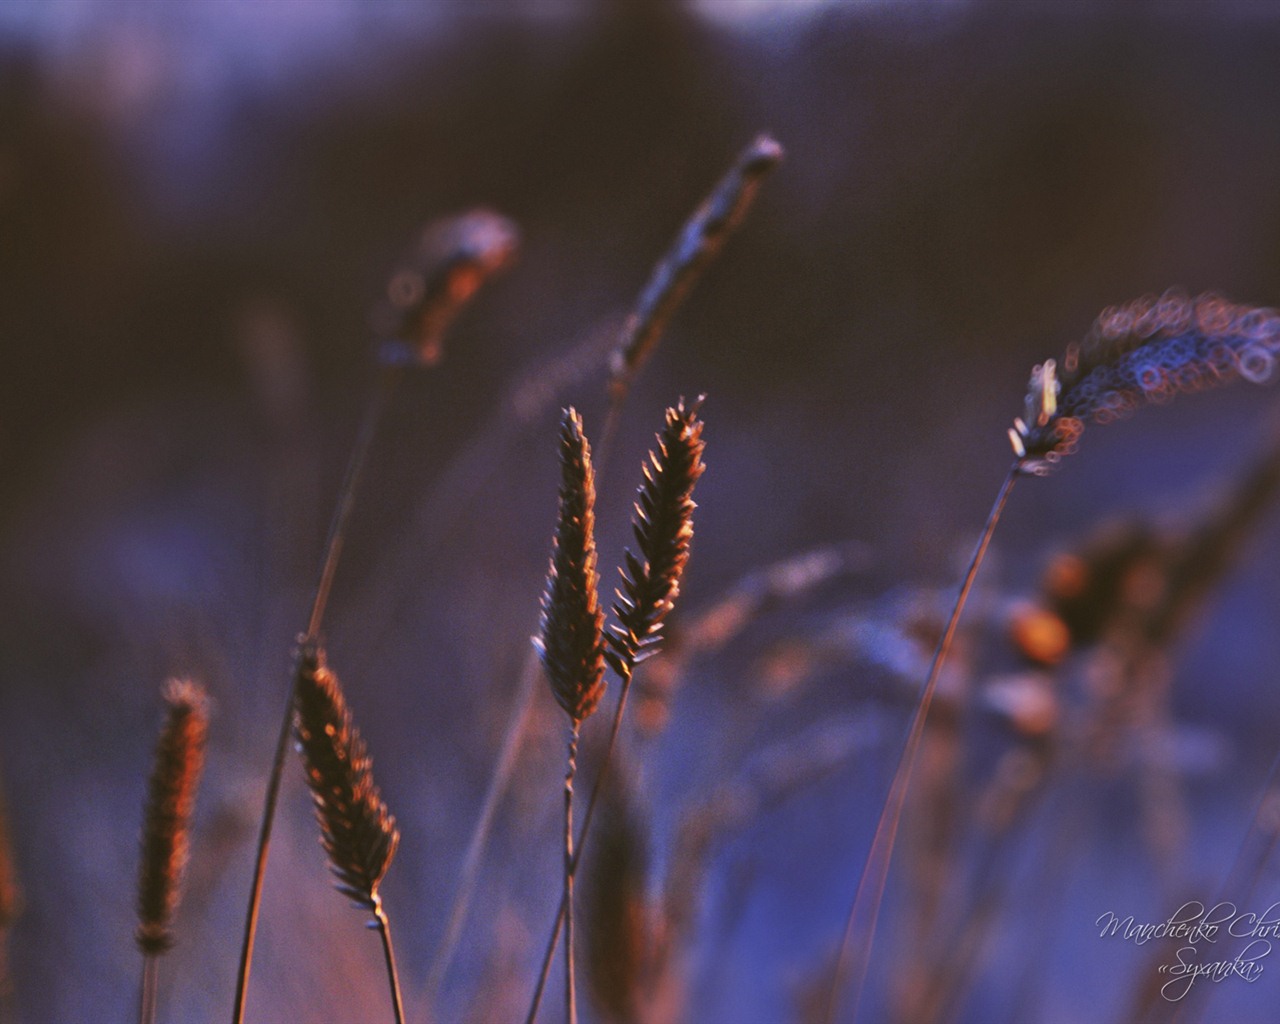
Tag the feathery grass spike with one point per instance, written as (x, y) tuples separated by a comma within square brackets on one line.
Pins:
[(358, 834), (436, 279), (570, 645), (663, 528), (170, 803), (699, 242)]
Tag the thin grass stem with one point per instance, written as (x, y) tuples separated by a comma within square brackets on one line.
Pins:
[(383, 925), (388, 377), (150, 985), (566, 893), (570, 867), (854, 955)]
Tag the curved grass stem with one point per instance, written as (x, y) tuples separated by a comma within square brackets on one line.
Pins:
[(859, 931), (388, 377)]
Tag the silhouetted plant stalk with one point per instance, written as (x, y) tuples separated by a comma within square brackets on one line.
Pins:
[(1145, 351), (672, 278), (358, 835), (166, 828), (450, 262), (663, 528), (571, 644)]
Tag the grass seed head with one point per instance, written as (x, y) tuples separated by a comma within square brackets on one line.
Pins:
[(357, 833), (570, 643), (171, 800), (663, 528)]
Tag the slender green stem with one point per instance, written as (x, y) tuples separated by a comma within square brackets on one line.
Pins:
[(851, 964), (150, 983), (554, 938), (570, 866), (388, 377), (393, 976)]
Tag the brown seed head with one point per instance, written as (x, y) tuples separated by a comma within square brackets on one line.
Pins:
[(356, 831), (437, 279), (570, 643), (663, 528), (171, 800), (699, 242)]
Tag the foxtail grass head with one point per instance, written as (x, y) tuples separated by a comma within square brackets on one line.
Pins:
[(570, 642), (171, 801), (357, 833), (436, 280), (698, 244), (1145, 351), (663, 528)]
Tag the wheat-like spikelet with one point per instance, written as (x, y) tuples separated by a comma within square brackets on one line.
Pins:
[(663, 528), (1145, 351), (171, 800), (570, 643), (699, 242), (357, 833), (436, 280)]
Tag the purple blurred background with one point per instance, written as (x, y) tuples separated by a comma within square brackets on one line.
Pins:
[(199, 202)]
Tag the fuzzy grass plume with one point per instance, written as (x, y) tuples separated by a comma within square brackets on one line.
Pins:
[(166, 828), (170, 802)]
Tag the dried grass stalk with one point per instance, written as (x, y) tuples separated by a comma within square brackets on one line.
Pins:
[(437, 277), (570, 644), (357, 833), (700, 241), (171, 800), (663, 528)]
